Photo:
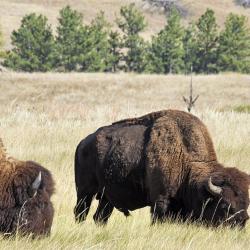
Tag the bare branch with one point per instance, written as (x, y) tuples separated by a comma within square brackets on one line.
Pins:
[(185, 100), (195, 99), (191, 101)]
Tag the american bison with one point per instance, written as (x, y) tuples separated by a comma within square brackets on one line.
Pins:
[(25, 191), (165, 160)]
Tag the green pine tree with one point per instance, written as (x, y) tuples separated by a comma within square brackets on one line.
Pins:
[(136, 55), (96, 46), (207, 43), (34, 46), (132, 22), (190, 47), (234, 45), (114, 51), (167, 51), (69, 38)]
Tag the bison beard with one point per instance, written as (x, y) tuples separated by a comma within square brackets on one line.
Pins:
[(165, 160), (25, 191)]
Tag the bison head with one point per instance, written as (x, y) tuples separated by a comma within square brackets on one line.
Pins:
[(227, 198), (36, 213)]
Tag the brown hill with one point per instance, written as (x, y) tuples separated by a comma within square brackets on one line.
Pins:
[(11, 11)]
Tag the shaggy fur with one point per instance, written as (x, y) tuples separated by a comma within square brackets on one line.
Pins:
[(3, 154), (22, 208), (163, 160)]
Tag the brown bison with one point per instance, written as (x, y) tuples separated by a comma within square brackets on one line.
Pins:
[(165, 160), (25, 191)]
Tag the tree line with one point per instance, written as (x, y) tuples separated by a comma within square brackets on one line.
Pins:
[(96, 47)]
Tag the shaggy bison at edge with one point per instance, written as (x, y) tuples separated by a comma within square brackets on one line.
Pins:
[(25, 191), (165, 160)]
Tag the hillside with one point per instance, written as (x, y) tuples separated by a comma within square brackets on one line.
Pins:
[(11, 11)]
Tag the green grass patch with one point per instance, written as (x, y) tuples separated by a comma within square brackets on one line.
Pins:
[(3, 54), (242, 108)]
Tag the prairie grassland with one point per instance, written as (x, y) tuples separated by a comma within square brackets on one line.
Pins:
[(12, 11), (44, 116)]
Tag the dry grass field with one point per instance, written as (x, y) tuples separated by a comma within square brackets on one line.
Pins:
[(44, 116), (12, 11)]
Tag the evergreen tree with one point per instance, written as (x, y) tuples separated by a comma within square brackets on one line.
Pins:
[(95, 47), (234, 45), (132, 23), (207, 42), (69, 38), (167, 51), (136, 55), (155, 56), (34, 45), (190, 47), (114, 51)]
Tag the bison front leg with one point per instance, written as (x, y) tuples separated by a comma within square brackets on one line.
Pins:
[(103, 212), (159, 210)]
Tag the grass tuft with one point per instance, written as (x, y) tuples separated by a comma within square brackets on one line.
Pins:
[(242, 109)]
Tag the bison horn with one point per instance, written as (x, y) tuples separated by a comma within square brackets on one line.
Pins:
[(212, 188), (37, 182)]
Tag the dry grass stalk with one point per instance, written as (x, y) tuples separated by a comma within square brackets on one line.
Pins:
[(191, 101)]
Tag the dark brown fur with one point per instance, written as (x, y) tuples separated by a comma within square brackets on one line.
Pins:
[(22, 208), (163, 160)]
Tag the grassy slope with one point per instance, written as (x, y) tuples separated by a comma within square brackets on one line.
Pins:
[(11, 11), (43, 117)]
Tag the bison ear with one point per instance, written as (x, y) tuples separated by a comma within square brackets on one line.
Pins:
[(37, 182), (213, 189)]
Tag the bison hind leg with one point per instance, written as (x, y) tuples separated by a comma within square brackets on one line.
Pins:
[(103, 212), (82, 207)]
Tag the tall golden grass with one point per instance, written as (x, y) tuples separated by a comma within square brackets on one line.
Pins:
[(44, 116)]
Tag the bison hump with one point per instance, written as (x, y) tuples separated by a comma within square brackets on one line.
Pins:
[(120, 151)]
